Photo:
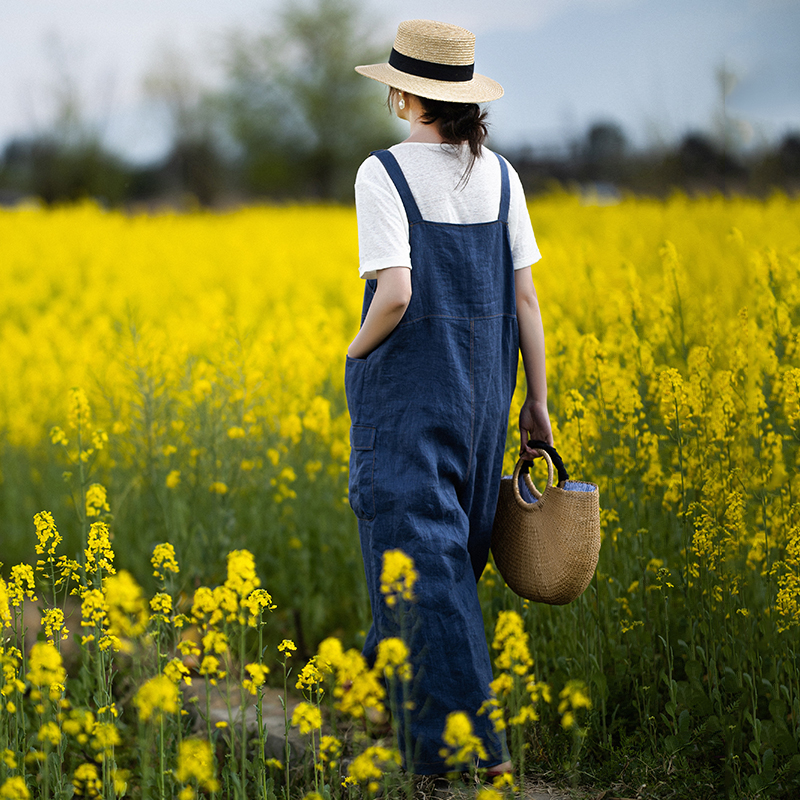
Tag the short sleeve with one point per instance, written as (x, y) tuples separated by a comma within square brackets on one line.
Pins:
[(383, 239), (524, 249)]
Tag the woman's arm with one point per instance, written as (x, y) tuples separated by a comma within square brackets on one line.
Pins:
[(390, 302), (533, 416)]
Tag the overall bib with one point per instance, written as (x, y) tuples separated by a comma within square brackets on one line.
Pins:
[(429, 411)]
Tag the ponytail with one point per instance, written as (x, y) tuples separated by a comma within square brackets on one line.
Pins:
[(458, 122)]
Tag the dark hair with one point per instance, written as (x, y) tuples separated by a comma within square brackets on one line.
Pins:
[(458, 122)]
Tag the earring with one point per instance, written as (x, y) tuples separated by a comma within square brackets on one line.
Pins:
[(401, 103)]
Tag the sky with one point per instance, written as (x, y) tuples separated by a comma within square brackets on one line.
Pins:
[(647, 65)]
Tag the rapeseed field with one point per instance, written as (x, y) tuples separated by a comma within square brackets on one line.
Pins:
[(173, 481)]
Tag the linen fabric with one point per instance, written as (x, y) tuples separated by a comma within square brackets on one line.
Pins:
[(429, 412), (434, 174)]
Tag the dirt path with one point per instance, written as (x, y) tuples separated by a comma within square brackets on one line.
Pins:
[(272, 710)]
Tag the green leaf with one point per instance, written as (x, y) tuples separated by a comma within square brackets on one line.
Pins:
[(778, 710), (712, 724), (694, 670), (684, 721)]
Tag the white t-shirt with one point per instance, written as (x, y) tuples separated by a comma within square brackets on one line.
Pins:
[(434, 174)]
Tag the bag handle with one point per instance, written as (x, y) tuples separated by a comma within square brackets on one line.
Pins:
[(523, 464), (558, 463)]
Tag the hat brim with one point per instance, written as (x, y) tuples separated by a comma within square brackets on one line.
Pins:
[(479, 89)]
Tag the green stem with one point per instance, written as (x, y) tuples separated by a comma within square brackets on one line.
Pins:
[(208, 727), (161, 760), (242, 711), (262, 778), (285, 728)]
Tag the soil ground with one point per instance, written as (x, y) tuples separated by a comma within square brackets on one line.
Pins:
[(532, 788)]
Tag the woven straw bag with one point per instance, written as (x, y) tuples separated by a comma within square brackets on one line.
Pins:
[(546, 545)]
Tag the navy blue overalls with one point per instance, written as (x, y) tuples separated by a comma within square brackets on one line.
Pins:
[(429, 411)]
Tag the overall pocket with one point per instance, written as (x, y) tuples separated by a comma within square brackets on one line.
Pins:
[(362, 471)]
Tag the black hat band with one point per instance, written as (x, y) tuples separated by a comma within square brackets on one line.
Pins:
[(429, 69)]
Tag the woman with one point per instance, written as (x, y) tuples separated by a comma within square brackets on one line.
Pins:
[(446, 244)]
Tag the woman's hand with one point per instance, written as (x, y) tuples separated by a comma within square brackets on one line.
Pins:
[(392, 296), (534, 424)]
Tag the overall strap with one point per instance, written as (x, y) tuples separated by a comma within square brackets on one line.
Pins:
[(399, 180), (505, 190)]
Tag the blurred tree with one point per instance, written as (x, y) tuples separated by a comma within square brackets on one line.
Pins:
[(194, 163), (699, 158), (302, 117), (44, 166), (66, 159), (603, 152), (789, 156)]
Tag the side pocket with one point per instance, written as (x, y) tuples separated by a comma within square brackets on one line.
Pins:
[(362, 471)]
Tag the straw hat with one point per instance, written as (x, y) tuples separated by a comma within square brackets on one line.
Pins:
[(434, 60)]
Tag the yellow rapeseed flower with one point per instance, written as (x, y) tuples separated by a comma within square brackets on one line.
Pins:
[(329, 654), (258, 674), (93, 611), (287, 647), (57, 436), (397, 577), (511, 639), (258, 601), (464, 748), (307, 717), (573, 696), (161, 605), (87, 781), (21, 585), (164, 561), (177, 671), (96, 500), (14, 788), (204, 606), (210, 668), (242, 577), (215, 642), (173, 479), (79, 724), (156, 697), (371, 765), (392, 657), (126, 608), (330, 748), (79, 415), (99, 555), (53, 624), (47, 536), (310, 676), (5, 608), (105, 737), (196, 764), (46, 669), (49, 732), (358, 689)]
